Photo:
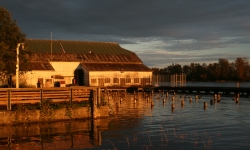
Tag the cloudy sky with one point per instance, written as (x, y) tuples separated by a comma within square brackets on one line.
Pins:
[(160, 32)]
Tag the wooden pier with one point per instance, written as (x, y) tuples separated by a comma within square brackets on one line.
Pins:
[(206, 90)]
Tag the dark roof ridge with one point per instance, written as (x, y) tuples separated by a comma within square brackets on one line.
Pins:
[(58, 40)]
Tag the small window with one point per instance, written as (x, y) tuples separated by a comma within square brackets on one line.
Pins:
[(136, 80), (115, 80), (93, 81), (107, 80), (128, 80)]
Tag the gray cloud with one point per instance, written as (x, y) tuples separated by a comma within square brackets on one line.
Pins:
[(205, 24)]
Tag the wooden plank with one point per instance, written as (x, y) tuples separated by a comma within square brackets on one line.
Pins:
[(25, 102), (33, 95)]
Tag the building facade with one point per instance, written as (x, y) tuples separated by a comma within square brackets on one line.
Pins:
[(62, 63)]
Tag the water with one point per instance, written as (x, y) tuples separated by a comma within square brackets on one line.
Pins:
[(221, 125)]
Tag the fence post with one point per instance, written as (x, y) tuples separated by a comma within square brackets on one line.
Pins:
[(9, 100), (99, 96), (41, 96), (71, 96), (93, 99)]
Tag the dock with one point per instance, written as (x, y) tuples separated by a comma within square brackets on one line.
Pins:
[(205, 90)]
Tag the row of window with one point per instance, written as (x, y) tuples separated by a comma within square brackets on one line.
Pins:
[(116, 80)]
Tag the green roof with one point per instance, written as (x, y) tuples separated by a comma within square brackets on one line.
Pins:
[(75, 47)]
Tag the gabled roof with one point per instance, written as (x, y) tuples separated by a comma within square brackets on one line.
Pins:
[(94, 56), (80, 51), (115, 67)]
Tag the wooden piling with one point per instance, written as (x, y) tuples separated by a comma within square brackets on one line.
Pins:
[(172, 106), (205, 105), (218, 97), (9, 100), (182, 102), (152, 104)]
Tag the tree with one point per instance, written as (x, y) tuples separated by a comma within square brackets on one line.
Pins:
[(241, 67), (224, 69), (11, 35), (175, 69)]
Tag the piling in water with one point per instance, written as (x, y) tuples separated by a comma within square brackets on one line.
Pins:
[(205, 105), (182, 102), (173, 98), (172, 106)]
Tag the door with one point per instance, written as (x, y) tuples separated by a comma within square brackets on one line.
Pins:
[(122, 82), (101, 82)]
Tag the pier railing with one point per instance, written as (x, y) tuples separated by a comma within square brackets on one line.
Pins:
[(9, 96)]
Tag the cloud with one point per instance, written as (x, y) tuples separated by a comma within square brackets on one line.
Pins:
[(164, 25)]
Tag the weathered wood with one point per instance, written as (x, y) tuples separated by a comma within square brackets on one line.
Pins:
[(9, 100), (34, 95)]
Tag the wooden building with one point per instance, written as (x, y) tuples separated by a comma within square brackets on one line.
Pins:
[(61, 63)]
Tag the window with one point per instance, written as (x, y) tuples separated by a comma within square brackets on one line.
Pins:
[(128, 80), (115, 80), (107, 80), (93, 81), (136, 80)]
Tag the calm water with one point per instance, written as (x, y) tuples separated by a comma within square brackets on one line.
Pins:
[(221, 125)]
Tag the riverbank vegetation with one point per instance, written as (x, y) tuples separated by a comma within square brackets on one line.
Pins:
[(223, 70)]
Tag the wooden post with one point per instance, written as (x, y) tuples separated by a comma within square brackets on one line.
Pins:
[(71, 96), (182, 102), (172, 106), (9, 100), (99, 96), (215, 96), (93, 99), (41, 96), (218, 97), (205, 105)]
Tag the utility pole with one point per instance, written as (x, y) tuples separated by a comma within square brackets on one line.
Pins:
[(17, 63)]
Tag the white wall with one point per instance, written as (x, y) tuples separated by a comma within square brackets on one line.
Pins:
[(31, 77), (118, 74), (65, 69)]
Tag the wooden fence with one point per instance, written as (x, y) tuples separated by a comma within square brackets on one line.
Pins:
[(9, 96)]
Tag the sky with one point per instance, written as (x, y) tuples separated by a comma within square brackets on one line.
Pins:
[(160, 32)]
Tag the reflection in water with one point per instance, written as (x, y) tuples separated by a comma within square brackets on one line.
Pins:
[(55, 135), (144, 121)]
